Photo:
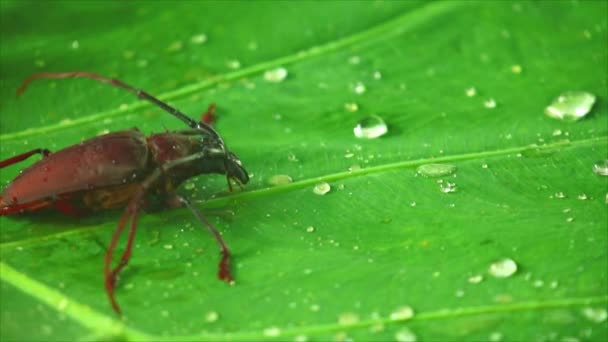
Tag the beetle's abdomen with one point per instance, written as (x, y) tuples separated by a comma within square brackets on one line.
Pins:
[(106, 160)]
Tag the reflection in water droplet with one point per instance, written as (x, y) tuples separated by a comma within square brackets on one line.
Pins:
[(272, 331), (405, 335), (277, 180), (601, 168), (571, 105), (402, 314), (597, 315), (275, 75), (503, 268), (321, 188), (448, 188), (436, 170), (370, 127)]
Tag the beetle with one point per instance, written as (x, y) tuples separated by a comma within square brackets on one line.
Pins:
[(123, 169)]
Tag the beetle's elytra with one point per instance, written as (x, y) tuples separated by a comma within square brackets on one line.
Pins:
[(122, 169)]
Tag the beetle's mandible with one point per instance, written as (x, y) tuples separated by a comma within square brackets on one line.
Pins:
[(122, 169)]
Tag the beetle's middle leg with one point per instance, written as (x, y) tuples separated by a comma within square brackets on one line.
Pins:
[(24, 156)]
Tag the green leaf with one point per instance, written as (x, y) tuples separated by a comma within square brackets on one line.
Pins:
[(384, 238)]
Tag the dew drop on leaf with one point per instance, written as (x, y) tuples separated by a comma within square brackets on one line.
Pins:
[(370, 127), (275, 75), (600, 168), (272, 331), (199, 38), (570, 105), (211, 316), (476, 279), (348, 318), (359, 88), (471, 91), (489, 103), (402, 313), (278, 180), (405, 335), (503, 268), (436, 170), (233, 64), (321, 188), (310, 229), (448, 188), (597, 315), (351, 107)]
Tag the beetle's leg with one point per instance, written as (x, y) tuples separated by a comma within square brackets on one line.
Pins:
[(19, 208), (224, 265), (208, 117), (24, 156)]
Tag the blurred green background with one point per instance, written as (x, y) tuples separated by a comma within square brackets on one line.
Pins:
[(347, 264)]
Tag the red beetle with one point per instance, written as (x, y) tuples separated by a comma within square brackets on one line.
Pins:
[(122, 169)]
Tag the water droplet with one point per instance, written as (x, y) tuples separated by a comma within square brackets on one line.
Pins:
[(233, 64), (436, 170), (292, 157), (175, 46), (601, 168), (489, 103), (582, 197), (557, 132), (277, 180), (62, 304), (199, 39), (348, 318), (405, 335), (310, 229), (571, 105), (354, 60), (516, 69), (321, 188), (495, 336), (272, 331), (471, 91), (351, 107), (484, 166), (75, 45), (559, 195), (597, 315), (370, 127), (359, 88), (377, 75), (275, 75), (168, 246), (300, 338), (315, 307), (40, 63), (349, 155), (402, 314), (448, 187), (476, 279), (211, 316), (141, 63), (503, 268), (189, 186)]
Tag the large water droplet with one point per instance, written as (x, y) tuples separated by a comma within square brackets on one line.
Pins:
[(436, 170), (597, 315), (601, 168), (405, 335), (571, 105), (370, 127), (321, 188), (503, 268), (275, 75), (277, 180)]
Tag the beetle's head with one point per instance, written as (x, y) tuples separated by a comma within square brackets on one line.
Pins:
[(218, 159)]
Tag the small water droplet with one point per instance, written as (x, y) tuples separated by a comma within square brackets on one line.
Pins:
[(370, 127), (476, 279), (168, 246), (600, 168), (164, 313), (582, 197), (359, 88), (503, 268), (199, 39), (516, 69), (436, 170), (211, 316), (405, 335), (349, 155), (402, 313), (351, 107), (570, 105), (538, 283), (597, 315), (354, 60), (189, 186), (300, 338), (75, 45), (470, 92), (484, 166), (557, 132), (233, 64), (348, 318), (277, 180), (559, 195), (377, 75), (310, 229), (63, 304), (275, 75), (315, 307), (272, 331), (141, 63), (175, 46), (321, 188), (495, 336), (448, 187), (489, 103), (40, 63)]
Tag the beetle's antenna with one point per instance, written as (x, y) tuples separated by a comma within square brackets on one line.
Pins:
[(117, 83)]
